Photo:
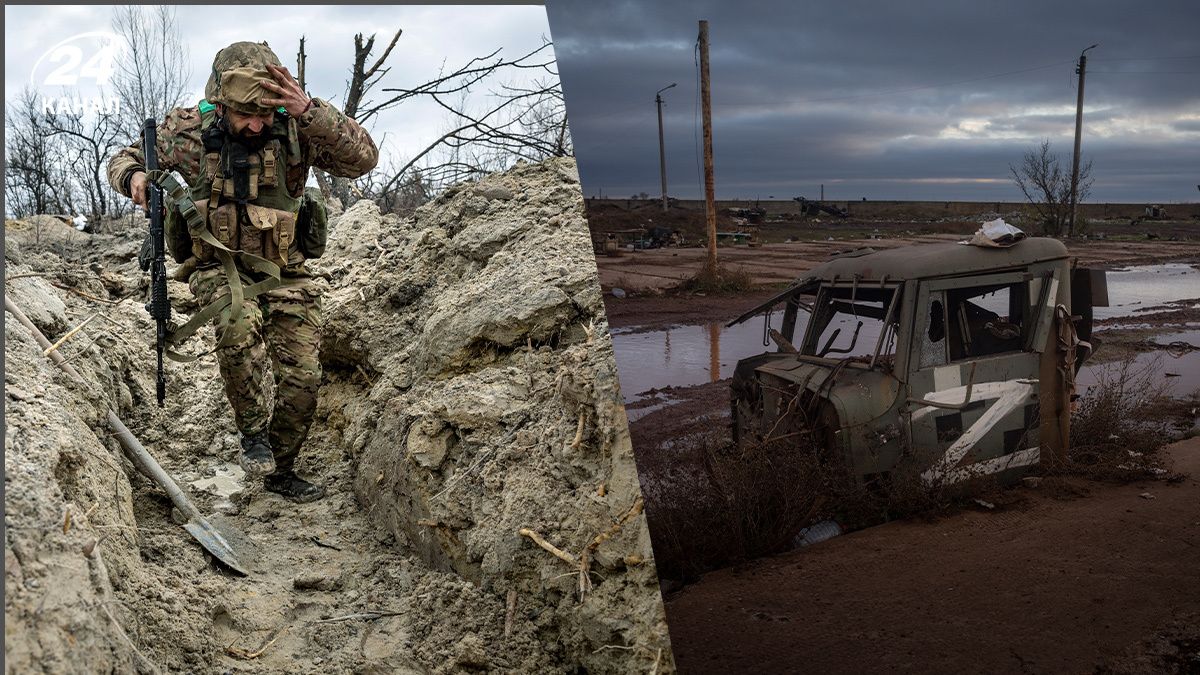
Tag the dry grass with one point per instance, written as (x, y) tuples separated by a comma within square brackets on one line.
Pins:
[(737, 504), (730, 504), (1120, 424), (719, 280)]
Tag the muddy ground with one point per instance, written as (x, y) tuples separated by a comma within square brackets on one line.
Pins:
[(1069, 578), (466, 397)]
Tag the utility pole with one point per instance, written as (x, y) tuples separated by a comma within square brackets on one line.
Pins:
[(710, 204), (662, 152), (1082, 69), (822, 192)]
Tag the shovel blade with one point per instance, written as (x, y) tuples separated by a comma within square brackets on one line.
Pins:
[(220, 540)]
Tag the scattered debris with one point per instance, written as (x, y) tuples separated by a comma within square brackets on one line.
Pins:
[(995, 234), (817, 533)]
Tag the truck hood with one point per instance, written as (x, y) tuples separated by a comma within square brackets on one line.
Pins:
[(858, 394)]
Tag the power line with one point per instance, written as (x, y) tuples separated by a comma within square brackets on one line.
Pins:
[(1146, 72), (1152, 58)]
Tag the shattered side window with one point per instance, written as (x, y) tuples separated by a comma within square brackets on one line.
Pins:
[(933, 337), (986, 320), (847, 322)]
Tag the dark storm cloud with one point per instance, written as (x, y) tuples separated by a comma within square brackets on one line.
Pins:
[(914, 100)]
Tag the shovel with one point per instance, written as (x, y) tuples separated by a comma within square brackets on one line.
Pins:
[(218, 538)]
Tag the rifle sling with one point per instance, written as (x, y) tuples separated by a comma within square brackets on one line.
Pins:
[(238, 293)]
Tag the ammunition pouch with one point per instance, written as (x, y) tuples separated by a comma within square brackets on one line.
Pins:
[(312, 231), (269, 233), (261, 274)]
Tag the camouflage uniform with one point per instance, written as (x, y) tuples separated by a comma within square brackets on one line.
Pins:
[(284, 323)]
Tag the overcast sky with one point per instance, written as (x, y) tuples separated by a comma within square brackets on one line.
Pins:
[(838, 93), (434, 36)]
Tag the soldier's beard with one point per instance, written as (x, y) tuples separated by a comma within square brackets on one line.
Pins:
[(251, 141)]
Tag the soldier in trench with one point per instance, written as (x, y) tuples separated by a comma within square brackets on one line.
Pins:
[(245, 151)]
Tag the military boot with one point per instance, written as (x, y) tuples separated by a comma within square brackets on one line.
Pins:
[(257, 458), (290, 486)]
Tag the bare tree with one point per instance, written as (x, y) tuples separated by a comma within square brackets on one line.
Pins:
[(152, 74), (89, 140), (1046, 185), (486, 131), (493, 119), (363, 78), (35, 177)]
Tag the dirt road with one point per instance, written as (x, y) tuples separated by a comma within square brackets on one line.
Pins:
[(1048, 585)]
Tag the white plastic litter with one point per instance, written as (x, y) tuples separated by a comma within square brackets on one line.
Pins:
[(817, 533), (995, 234)]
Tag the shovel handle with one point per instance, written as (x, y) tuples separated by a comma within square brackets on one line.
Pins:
[(137, 453)]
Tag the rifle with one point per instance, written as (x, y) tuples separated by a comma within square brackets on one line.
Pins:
[(159, 306)]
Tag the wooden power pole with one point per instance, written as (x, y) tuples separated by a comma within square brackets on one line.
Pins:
[(710, 204), (1078, 134)]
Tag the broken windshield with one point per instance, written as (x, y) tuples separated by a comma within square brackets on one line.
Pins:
[(847, 322)]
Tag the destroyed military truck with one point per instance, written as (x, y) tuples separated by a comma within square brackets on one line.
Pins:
[(948, 361)]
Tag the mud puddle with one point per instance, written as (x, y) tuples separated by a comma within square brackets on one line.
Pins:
[(683, 356), (1174, 360), (1136, 289), (226, 482)]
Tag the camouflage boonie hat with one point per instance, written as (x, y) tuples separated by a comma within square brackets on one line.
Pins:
[(237, 75)]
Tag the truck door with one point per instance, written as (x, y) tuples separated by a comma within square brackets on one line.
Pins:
[(972, 407)]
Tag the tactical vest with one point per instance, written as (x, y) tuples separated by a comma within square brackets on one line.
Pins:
[(239, 214), (243, 195)]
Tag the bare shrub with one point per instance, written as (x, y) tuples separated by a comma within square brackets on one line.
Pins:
[(731, 504), (1121, 422), (719, 280)]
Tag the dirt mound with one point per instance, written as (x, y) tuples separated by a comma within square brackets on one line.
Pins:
[(75, 556), (464, 345), (493, 405)]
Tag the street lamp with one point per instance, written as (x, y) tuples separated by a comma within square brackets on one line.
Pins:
[(1081, 69), (662, 153)]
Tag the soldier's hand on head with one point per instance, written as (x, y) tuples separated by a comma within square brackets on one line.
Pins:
[(137, 190), (291, 96)]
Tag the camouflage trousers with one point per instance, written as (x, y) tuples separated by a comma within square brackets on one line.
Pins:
[(281, 327)]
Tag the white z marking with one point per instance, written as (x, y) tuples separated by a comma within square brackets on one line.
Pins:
[(1008, 395)]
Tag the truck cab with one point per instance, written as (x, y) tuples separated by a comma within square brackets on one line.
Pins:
[(950, 361)]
